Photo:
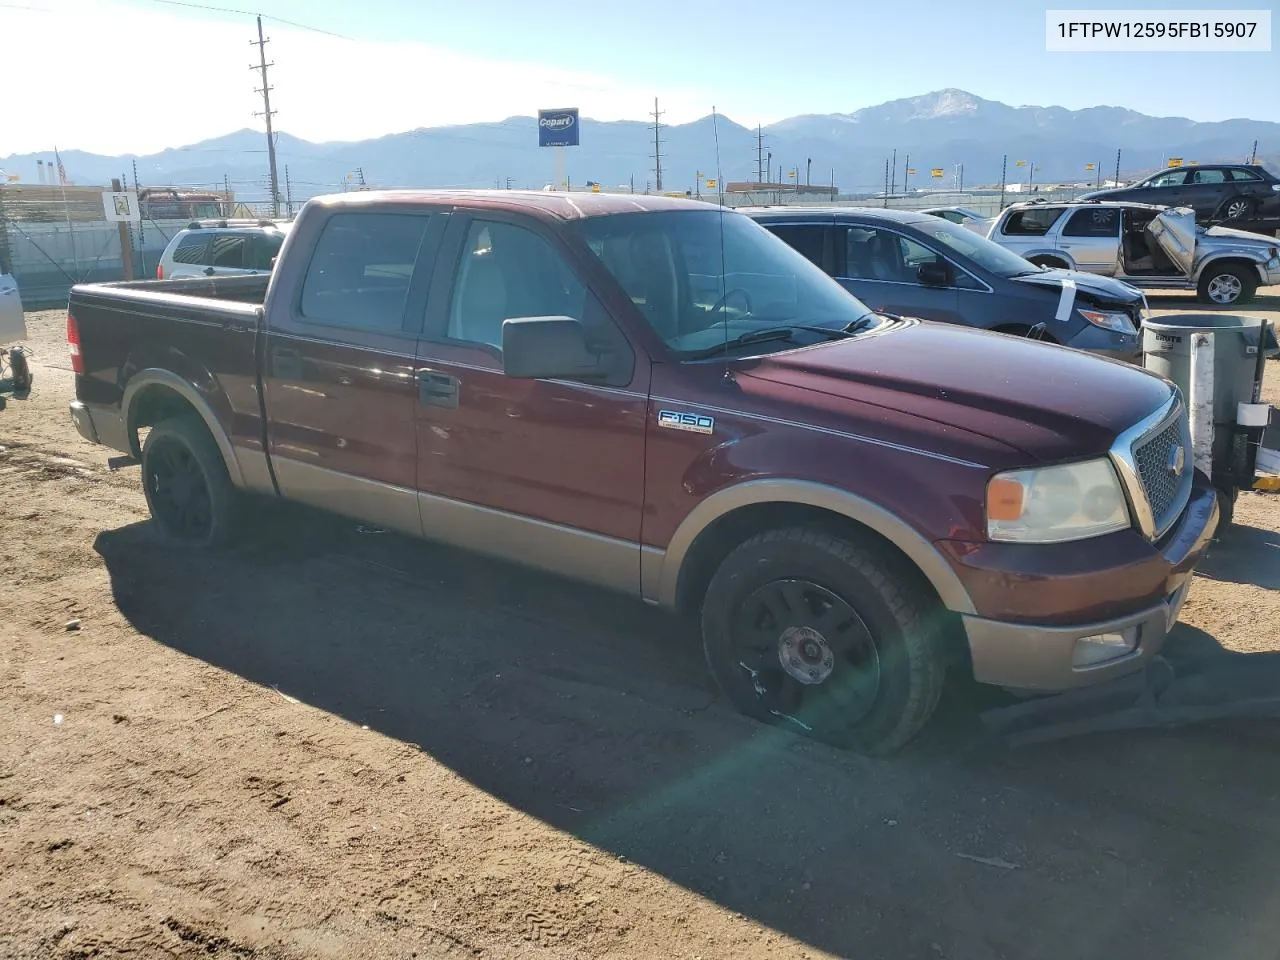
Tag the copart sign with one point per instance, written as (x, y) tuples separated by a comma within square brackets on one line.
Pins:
[(558, 128)]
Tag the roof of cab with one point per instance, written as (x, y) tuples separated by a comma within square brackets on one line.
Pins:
[(790, 212), (561, 205)]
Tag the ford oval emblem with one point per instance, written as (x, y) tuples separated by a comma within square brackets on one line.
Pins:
[(1177, 460)]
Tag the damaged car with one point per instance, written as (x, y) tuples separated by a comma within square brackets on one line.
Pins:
[(1143, 245)]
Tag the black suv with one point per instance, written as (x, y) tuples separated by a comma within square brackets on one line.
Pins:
[(1227, 191)]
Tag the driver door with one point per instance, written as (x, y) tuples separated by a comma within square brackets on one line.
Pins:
[(548, 472)]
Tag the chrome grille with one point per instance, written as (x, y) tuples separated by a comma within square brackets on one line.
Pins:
[(1166, 493)]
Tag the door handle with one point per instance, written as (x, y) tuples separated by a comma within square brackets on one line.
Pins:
[(438, 389)]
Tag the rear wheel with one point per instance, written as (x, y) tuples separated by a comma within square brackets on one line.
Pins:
[(824, 637), (1237, 208), (1226, 285), (186, 484)]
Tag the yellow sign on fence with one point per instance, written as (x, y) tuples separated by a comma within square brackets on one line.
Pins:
[(1091, 166), (936, 172), (1019, 163), (1175, 161), (711, 184)]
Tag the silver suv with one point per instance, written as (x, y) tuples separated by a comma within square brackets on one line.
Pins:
[(208, 248), (1143, 245)]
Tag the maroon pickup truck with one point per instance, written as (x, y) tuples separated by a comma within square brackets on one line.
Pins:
[(659, 396)]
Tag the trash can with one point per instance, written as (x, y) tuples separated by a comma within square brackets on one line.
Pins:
[(1166, 350)]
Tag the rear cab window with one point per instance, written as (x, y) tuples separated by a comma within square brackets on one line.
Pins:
[(1032, 222)]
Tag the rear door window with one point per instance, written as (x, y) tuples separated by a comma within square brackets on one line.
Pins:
[(227, 250), (1100, 222), (192, 249), (1244, 176), (1033, 222), (1208, 176), (810, 239), (360, 271)]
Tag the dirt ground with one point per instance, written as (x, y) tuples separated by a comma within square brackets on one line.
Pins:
[(329, 744)]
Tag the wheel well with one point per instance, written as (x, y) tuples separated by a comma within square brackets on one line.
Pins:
[(155, 403), (713, 544), (1248, 266), (1049, 261)]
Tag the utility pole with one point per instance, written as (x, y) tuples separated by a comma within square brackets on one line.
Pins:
[(226, 196), (657, 145), (1004, 173), (126, 245), (360, 174), (633, 183), (1117, 168), (808, 169), (768, 170), (1253, 154), (267, 112), (893, 182), (288, 192), (760, 154), (906, 173), (886, 182), (142, 234)]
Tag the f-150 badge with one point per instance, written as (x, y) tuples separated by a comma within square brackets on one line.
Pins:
[(692, 422)]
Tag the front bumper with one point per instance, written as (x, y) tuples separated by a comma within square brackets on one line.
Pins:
[(1040, 657), (99, 424)]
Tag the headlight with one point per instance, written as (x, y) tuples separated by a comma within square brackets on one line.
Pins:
[(1109, 320), (1073, 501)]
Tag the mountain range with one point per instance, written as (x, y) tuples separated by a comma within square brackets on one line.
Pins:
[(941, 130)]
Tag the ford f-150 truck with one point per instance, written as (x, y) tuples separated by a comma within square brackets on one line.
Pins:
[(659, 396)]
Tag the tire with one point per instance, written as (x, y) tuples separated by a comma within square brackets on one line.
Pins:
[(1237, 208), (185, 481), (1227, 285), (20, 371), (1226, 508), (877, 666)]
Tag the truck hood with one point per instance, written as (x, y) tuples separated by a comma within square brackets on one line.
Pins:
[(1101, 289), (1048, 402)]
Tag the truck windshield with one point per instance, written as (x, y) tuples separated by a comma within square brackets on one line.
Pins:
[(985, 253), (703, 277)]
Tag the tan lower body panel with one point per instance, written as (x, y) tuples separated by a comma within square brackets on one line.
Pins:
[(567, 551)]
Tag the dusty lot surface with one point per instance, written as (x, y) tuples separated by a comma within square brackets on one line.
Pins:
[(335, 745)]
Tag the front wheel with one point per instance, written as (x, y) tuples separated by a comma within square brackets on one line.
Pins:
[(1226, 285), (186, 484), (824, 637)]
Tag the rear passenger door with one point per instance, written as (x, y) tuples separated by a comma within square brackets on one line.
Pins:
[(1091, 236), (549, 472), (340, 363)]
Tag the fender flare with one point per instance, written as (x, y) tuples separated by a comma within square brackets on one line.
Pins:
[(919, 550), (155, 376), (1244, 260)]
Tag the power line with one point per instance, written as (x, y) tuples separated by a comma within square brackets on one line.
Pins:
[(250, 13), (267, 112)]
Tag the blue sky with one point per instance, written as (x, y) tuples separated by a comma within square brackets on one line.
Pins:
[(417, 64)]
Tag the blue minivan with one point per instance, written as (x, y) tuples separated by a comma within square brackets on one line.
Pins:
[(913, 264)]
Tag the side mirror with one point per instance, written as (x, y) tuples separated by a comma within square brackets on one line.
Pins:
[(551, 348), (934, 274)]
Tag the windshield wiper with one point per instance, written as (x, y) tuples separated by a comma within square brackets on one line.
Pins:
[(767, 335)]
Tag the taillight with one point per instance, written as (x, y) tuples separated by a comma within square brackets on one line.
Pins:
[(73, 344), (159, 271)]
